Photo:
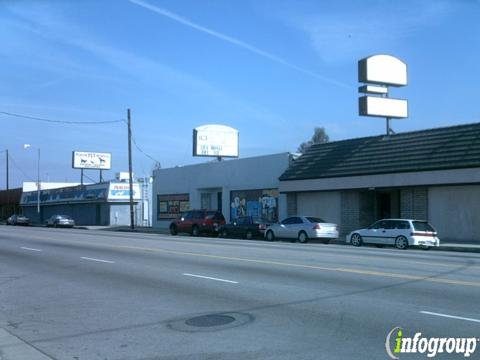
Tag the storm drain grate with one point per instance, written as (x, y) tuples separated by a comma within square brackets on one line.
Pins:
[(210, 320)]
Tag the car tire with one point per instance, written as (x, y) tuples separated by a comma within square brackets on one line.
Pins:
[(55, 225), (302, 237), (270, 236), (401, 243), (356, 240), (195, 231), (249, 235), (224, 233), (173, 230)]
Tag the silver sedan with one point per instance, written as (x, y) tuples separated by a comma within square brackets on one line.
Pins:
[(302, 228)]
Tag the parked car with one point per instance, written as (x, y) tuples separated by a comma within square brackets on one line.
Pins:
[(302, 228), (245, 226), (196, 222), (60, 221), (18, 220), (400, 233)]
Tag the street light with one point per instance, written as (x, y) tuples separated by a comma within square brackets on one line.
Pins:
[(26, 146)]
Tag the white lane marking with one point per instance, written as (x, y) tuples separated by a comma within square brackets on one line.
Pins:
[(211, 278), (31, 249), (99, 260), (449, 316)]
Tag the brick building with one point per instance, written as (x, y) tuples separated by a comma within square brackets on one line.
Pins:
[(431, 174)]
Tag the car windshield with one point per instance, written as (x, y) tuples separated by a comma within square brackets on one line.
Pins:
[(423, 226), (66, 217), (315, 219)]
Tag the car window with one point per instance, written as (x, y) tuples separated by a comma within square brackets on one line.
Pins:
[(422, 226), (402, 225), (315, 219), (288, 221), (376, 225), (297, 220), (388, 224)]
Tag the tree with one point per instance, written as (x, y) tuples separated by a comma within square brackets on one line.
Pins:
[(320, 136)]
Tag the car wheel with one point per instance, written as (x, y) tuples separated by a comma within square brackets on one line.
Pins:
[(270, 236), (302, 237), (224, 233), (173, 230), (356, 240), (249, 235), (55, 225), (195, 230), (401, 243)]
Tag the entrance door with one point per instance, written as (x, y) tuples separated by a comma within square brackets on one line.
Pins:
[(387, 204)]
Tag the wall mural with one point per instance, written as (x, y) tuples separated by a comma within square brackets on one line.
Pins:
[(257, 203)]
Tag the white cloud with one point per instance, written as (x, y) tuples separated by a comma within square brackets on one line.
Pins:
[(236, 42)]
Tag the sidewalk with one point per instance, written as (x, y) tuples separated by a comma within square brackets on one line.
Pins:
[(473, 247)]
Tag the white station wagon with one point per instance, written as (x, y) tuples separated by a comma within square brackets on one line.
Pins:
[(401, 233)]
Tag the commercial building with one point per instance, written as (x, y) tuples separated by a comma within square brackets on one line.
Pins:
[(104, 203), (431, 174), (247, 186)]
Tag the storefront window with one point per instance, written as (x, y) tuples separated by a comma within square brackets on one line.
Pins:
[(171, 206)]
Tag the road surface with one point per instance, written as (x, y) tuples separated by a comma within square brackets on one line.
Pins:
[(83, 294)]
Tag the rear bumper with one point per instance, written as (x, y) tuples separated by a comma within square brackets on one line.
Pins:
[(322, 234), (424, 241)]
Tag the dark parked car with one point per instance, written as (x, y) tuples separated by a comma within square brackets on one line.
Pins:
[(196, 222), (18, 220), (60, 221), (244, 226)]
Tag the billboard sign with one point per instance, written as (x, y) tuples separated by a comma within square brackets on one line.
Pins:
[(215, 140), (382, 69), (382, 107), (121, 191), (91, 160)]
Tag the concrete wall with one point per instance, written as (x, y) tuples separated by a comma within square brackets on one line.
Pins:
[(254, 173), (455, 212), (325, 205)]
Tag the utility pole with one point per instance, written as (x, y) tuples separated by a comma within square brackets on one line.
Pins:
[(6, 153), (38, 184), (130, 175)]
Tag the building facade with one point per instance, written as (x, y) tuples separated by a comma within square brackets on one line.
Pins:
[(431, 174), (248, 186), (105, 204)]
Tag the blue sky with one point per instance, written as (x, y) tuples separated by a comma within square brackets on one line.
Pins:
[(272, 69)]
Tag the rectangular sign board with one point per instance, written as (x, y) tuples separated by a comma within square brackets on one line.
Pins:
[(382, 107), (215, 140), (91, 160)]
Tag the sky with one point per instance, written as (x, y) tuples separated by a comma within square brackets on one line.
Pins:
[(274, 70)]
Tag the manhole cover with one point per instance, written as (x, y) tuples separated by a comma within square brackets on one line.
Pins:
[(210, 320)]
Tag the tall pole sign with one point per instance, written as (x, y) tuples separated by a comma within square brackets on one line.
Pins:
[(378, 73)]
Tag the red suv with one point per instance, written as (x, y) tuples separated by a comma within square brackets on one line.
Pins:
[(196, 222)]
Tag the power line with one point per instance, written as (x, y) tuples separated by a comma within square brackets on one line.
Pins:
[(19, 169), (143, 152), (60, 121)]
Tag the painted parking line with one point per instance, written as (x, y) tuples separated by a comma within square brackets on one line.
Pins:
[(30, 249), (211, 278), (449, 316), (98, 260)]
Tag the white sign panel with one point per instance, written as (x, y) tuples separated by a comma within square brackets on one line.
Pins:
[(121, 191), (215, 140), (382, 69), (383, 107), (91, 160)]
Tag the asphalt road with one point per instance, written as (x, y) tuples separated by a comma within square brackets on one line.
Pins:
[(82, 294)]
